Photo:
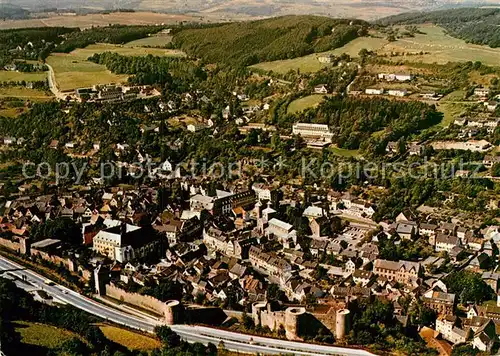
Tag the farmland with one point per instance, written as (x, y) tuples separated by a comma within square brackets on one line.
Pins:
[(13, 99), (13, 76), (73, 70), (24, 93), (436, 45), (129, 339), (85, 21), (441, 48), (353, 47)]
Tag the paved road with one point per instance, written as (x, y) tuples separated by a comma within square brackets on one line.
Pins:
[(263, 344), (53, 84), (191, 333), (70, 297)]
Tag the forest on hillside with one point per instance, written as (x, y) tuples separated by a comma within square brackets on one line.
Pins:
[(247, 43), (12, 12), (116, 34), (474, 25)]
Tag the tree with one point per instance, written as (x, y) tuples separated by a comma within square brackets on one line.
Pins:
[(421, 315), (167, 337), (74, 346), (495, 170), (10, 339), (469, 286), (363, 52), (274, 292), (275, 141), (247, 321), (464, 350)]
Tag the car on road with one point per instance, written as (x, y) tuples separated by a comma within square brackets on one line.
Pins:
[(48, 282)]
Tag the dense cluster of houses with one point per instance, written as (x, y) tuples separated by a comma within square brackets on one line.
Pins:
[(232, 244)]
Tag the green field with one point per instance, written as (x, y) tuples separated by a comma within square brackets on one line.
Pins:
[(342, 152), (126, 50), (306, 64), (13, 99), (42, 335), (24, 93), (353, 47), (151, 41), (9, 76), (73, 70), (310, 63), (306, 102), (450, 112), (442, 48)]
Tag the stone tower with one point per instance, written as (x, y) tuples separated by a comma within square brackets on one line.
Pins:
[(293, 318), (174, 312), (342, 323)]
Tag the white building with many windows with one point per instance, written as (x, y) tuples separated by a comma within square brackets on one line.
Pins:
[(313, 131)]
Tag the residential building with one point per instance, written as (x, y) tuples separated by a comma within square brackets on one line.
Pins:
[(326, 58), (440, 302), (400, 77), (374, 91), (482, 92), (321, 89), (446, 242), (490, 160), (397, 92), (404, 272), (268, 263)]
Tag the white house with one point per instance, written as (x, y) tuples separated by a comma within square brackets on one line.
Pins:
[(321, 89), (374, 91), (196, 127), (166, 166), (482, 92), (397, 92)]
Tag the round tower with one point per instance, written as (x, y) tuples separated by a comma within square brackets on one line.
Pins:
[(257, 308), (293, 318), (173, 312), (342, 323)]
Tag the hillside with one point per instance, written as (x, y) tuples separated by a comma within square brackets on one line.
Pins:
[(12, 12), (284, 37), (475, 25)]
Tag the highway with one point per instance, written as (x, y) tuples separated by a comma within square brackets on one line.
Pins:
[(191, 333), (70, 297)]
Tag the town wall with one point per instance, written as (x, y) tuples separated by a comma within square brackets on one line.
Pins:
[(66, 262), (172, 310), (11, 245), (144, 301)]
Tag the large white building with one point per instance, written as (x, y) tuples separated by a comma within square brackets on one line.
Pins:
[(124, 242), (283, 231), (313, 131)]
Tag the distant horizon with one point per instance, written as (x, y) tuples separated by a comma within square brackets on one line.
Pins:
[(227, 9)]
